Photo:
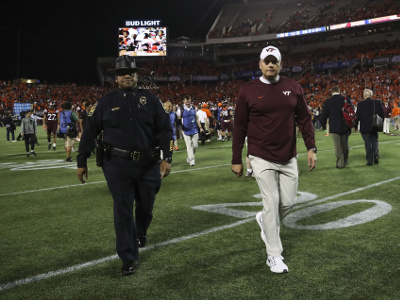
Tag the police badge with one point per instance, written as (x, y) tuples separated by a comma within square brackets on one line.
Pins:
[(143, 100)]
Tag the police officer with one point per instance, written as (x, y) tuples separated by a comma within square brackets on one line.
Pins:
[(135, 127)]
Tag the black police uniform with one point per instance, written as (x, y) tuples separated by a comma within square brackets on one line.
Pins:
[(133, 122)]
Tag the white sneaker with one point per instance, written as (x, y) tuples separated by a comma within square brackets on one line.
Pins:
[(260, 223), (249, 174), (277, 265)]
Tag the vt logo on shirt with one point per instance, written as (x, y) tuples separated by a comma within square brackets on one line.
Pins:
[(286, 93)]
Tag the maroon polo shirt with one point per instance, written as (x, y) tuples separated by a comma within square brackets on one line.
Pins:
[(268, 115)]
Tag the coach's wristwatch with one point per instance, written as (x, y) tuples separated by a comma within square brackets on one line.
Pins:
[(313, 149)]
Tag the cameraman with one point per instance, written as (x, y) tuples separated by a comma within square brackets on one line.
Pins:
[(67, 121)]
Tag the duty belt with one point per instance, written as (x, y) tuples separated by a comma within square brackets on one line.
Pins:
[(150, 155), (130, 155)]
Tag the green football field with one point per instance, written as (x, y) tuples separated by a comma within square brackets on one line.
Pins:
[(342, 240)]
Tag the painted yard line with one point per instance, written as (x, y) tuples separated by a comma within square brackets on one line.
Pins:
[(203, 168), (40, 277), (313, 202), (50, 189), (96, 182)]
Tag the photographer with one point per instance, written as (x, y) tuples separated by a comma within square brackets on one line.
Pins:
[(67, 121)]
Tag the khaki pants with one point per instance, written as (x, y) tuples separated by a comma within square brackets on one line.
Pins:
[(192, 143), (386, 125), (341, 148), (397, 123), (68, 142), (278, 183)]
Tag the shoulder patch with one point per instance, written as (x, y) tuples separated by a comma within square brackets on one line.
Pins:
[(90, 113)]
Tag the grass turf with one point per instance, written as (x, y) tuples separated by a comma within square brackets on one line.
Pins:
[(50, 223)]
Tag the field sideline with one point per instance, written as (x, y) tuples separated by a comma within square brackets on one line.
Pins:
[(340, 242)]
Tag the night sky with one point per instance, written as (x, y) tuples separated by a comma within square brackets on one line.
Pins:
[(59, 41)]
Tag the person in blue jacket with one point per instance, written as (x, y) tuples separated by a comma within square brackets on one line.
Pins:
[(67, 121), (190, 128)]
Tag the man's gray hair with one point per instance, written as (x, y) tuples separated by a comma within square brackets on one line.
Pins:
[(368, 93)]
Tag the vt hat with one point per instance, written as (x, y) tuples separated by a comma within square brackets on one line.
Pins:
[(270, 50), (125, 63)]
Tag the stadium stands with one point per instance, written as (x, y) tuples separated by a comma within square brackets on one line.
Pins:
[(284, 16), (370, 58)]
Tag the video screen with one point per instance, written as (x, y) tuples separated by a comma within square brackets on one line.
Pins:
[(142, 41)]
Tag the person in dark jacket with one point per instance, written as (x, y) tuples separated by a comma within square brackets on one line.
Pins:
[(332, 109), (135, 127), (10, 127), (365, 111)]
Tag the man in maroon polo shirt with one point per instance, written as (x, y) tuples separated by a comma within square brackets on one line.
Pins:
[(268, 109)]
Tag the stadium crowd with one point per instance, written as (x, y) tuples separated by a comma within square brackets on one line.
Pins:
[(310, 15), (316, 84), (384, 81)]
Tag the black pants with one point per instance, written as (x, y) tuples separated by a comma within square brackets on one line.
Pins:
[(29, 140), (10, 130), (203, 135), (131, 184), (371, 146)]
